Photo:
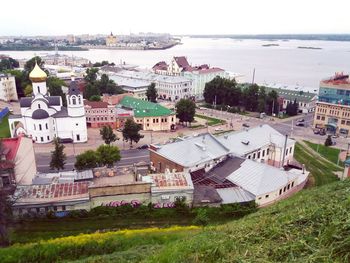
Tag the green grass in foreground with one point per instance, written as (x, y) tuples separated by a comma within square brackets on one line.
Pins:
[(322, 172), (329, 153), (311, 226), (4, 128), (211, 121)]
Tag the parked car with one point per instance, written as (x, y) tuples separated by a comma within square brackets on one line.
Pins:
[(245, 125), (219, 129), (65, 140), (145, 146), (301, 120), (322, 132), (316, 131), (301, 124)]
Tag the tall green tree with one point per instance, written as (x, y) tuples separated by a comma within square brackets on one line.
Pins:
[(91, 90), (131, 132), (185, 110), (108, 135), (8, 64), (55, 88), (262, 97), (87, 160), (151, 93), (91, 75), (58, 157), (250, 97), (222, 91), (108, 154), (95, 98), (272, 102)]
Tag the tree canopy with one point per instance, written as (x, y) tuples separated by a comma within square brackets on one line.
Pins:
[(58, 157), (55, 88), (87, 160), (108, 154), (185, 110), (107, 134), (8, 63), (151, 93), (131, 132)]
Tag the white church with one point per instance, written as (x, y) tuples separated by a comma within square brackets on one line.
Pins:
[(43, 117)]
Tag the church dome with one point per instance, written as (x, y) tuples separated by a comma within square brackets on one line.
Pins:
[(40, 114), (37, 74)]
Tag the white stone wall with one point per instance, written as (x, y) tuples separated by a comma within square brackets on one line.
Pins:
[(8, 90)]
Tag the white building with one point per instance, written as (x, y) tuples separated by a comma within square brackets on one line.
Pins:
[(8, 90), (43, 117)]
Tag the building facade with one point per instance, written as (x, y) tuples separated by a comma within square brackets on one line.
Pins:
[(151, 116), (8, 90), (43, 117), (333, 105), (111, 41), (99, 114)]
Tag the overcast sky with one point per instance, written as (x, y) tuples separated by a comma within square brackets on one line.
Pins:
[(60, 17)]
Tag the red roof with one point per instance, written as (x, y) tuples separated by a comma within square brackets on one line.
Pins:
[(160, 66), (11, 145), (182, 62), (96, 104)]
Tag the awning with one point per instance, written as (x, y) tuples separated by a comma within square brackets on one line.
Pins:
[(333, 125)]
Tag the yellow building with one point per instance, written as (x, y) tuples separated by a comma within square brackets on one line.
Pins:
[(111, 41), (333, 106)]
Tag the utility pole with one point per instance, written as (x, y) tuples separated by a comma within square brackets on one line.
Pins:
[(73, 144), (284, 149), (273, 107), (253, 76)]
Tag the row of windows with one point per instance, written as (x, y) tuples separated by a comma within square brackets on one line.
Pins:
[(286, 188), (99, 118), (322, 118), (40, 127), (41, 209), (98, 111), (255, 156)]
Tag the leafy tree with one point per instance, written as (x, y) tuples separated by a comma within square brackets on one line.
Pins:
[(8, 63), (87, 160), (250, 97), (262, 100), (328, 141), (222, 91), (131, 132), (185, 110), (5, 216), (30, 64), (151, 93), (58, 157), (91, 75), (95, 98), (108, 154), (107, 134), (28, 90), (91, 90), (272, 101), (55, 88)]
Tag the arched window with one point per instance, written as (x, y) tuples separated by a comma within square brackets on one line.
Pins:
[(79, 100), (38, 89), (39, 106), (74, 100)]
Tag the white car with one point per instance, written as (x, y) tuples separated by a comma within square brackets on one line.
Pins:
[(219, 129)]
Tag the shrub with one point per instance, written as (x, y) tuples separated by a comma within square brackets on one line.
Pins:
[(202, 217)]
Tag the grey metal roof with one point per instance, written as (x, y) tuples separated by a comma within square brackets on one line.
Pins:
[(73, 88), (25, 102), (259, 178), (193, 150), (54, 100), (15, 116), (61, 114), (204, 194), (234, 195), (40, 114), (257, 137)]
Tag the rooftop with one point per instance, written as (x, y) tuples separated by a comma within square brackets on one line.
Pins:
[(169, 181), (202, 148), (337, 79), (96, 104), (144, 108), (291, 95), (243, 142), (11, 146)]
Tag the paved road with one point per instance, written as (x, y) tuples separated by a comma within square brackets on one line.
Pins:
[(129, 157)]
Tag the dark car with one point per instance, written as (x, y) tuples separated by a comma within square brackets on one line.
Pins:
[(65, 140), (322, 132), (145, 146), (301, 124), (245, 125)]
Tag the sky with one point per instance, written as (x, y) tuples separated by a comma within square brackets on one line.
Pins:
[(47, 17)]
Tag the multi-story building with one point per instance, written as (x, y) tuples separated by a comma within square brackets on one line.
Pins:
[(151, 116), (99, 113), (306, 100), (199, 75), (43, 117), (333, 105), (111, 41), (8, 90)]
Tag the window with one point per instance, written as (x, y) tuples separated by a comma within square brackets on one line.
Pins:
[(79, 100), (42, 139), (263, 153), (292, 184), (39, 127), (74, 101), (318, 117), (253, 156), (76, 124), (78, 137), (266, 196), (34, 127), (259, 198), (280, 191), (38, 89), (154, 120), (288, 187), (249, 156), (39, 106), (267, 151), (258, 155), (46, 126), (48, 138), (63, 208), (286, 151)]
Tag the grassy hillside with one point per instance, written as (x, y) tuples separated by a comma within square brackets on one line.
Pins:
[(312, 226)]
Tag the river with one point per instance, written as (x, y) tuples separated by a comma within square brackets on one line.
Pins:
[(286, 63)]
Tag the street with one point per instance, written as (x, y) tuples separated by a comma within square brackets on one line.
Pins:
[(128, 157)]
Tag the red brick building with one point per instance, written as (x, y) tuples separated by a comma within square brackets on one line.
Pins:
[(99, 113)]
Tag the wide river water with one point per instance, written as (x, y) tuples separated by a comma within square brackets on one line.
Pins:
[(285, 64)]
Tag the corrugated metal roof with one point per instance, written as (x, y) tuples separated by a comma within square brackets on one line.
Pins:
[(256, 137), (234, 195), (193, 150), (259, 178)]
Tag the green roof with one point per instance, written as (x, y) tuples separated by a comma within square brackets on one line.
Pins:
[(144, 108), (291, 95)]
